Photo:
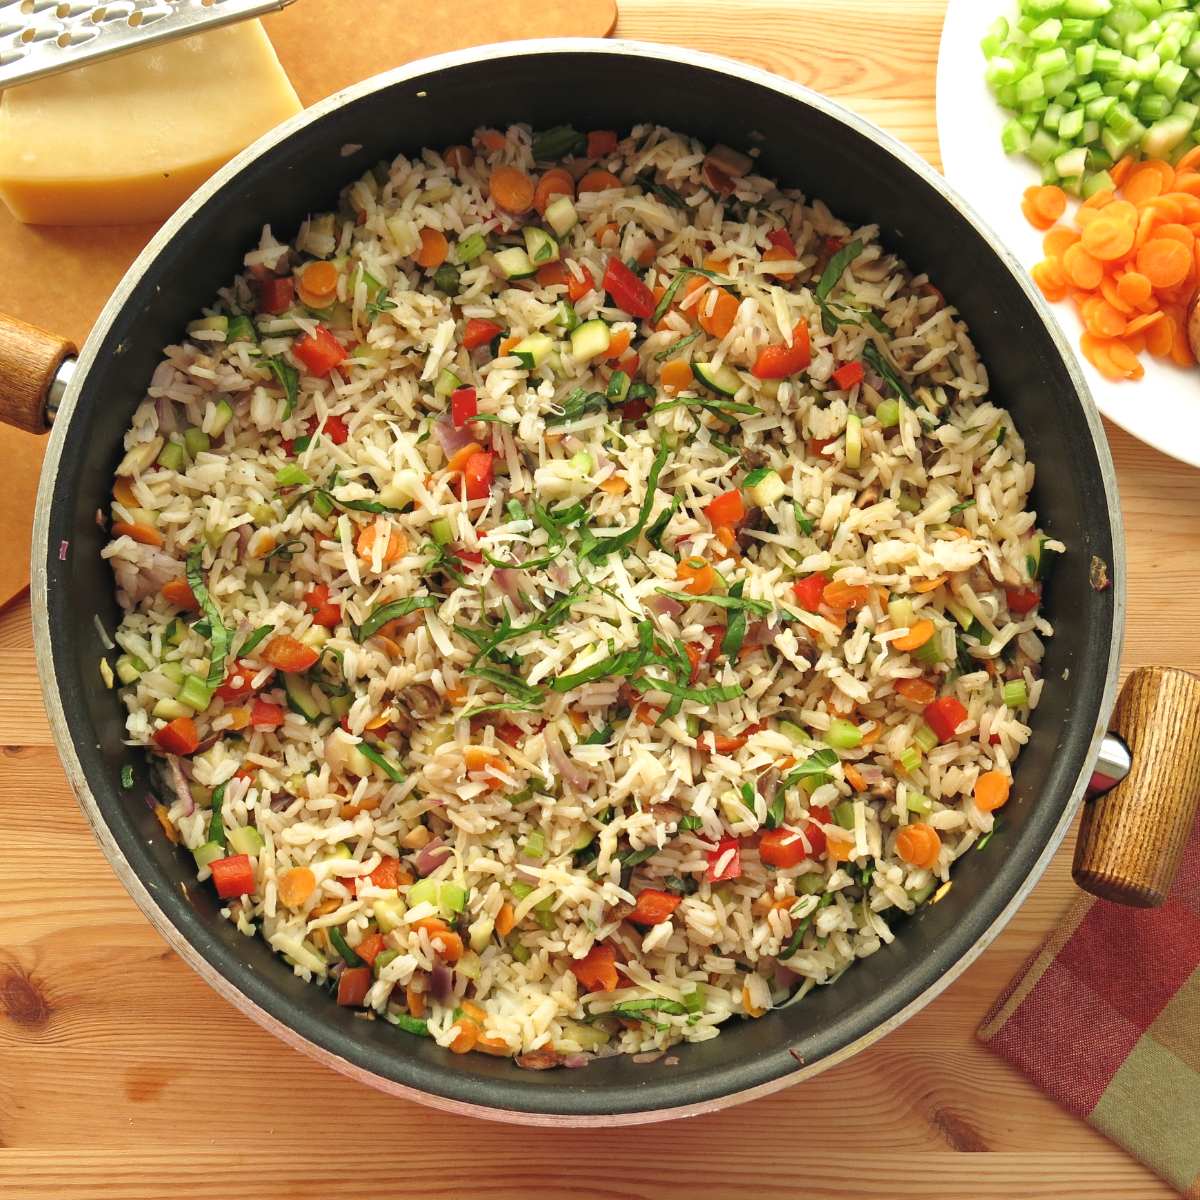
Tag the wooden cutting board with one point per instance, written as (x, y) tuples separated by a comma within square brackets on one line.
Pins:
[(60, 277)]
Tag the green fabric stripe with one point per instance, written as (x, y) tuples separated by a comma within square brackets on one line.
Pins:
[(1152, 1108), (1175, 1028)]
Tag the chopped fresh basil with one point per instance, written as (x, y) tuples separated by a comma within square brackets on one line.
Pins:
[(219, 636), (735, 628), (816, 766), (836, 268), (390, 769), (578, 404), (709, 695), (962, 507), (887, 372), (384, 613), (675, 347), (803, 522), (557, 142), (668, 195), (289, 379), (656, 529), (509, 684), (759, 607), (254, 639), (673, 287), (610, 545)]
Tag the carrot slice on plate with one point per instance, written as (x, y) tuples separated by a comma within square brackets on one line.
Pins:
[(1056, 242), (1050, 202), (1082, 269), (1108, 289), (1108, 239), (1164, 262)]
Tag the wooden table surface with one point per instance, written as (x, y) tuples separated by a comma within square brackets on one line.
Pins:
[(123, 1077)]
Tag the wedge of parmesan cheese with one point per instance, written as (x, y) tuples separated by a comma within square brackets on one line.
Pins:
[(127, 139)]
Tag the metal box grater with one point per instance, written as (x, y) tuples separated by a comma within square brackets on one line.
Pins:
[(40, 37)]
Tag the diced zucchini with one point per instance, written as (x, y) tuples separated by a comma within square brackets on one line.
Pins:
[(446, 384), (514, 263), (207, 854), (127, 669), (299, 698), (533, 350), (441, 532), (900, 610), (766, 489), (402, 490), (195, 693), (590, 339), (172, 457), (168, 710), (540, 246), (221, 417), (389, 913), (173, 671), (618, 387), (195, 441), (722, 380), (209, 325), (245, 839), (241, 329), (794, 733), (561, 215), (853, 441), (480, 933)]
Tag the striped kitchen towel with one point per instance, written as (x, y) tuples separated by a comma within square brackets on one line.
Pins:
[(1105, 1018)]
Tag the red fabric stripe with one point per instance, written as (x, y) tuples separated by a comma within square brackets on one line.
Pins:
[(1067, 1039)]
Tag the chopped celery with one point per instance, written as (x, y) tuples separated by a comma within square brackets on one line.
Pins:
[(195, 441), (888, 413), (916, 803), (909, 758), (842, 735), (1015, 693), (245, 839), (195, 693), (172, 456), (925, 738)]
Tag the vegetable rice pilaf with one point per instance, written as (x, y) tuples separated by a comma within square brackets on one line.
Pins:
[(576, 592)]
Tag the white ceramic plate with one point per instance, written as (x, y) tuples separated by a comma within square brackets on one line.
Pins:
[(1163, 408)]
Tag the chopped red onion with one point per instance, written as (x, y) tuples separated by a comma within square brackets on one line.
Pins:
[(578, 1059), (441, 983), (665, 606), (567, 770), (62, 551), (431, 856), (179, 784), (167, 422), (450, 439)]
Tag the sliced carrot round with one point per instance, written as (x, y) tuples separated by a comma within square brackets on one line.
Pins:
[(1056, 242), (1050, 278), (511, 189), (1082, 269), (1108, 239), (1147, 180), (1179, 233), (434, 249), (1189, 162), (1142, 322), (1164, 262), (1050, 202), (1159, 337), (1119, 171), (1134, 288), (1125, 361), (1034, 217), (1108, 289)]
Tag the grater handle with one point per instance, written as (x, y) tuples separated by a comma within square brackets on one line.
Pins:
[(34, 367)]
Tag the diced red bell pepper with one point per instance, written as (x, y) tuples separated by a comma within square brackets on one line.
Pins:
[(1023, 599), (944, 716), (470, 558), (785, 848), (370, 948), (816, 445), (265, 715), (654, 907), (727, 509), (848, 375), (233, 876), (597, 970), (479, 332), (285, 653), (511, 734), (778, 362), (725, 862), (239, 681), (353, 985), (808, 591), (627, 290), (782, 239), (275, 294), (179, 736), (477, 475), (324, 613), (387, 874), (319, 351), (721, 743), (578, 288), (833, 245), (335, 429), (601, 142), (634, 410), (464, 406)]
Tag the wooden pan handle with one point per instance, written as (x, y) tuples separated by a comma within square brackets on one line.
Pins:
[(29, 360), (1132, 838)]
